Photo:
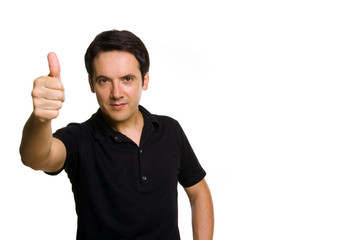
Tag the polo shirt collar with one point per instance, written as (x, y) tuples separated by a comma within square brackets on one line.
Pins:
[(103, 131)]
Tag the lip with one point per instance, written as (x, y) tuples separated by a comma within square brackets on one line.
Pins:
[(118, 106)]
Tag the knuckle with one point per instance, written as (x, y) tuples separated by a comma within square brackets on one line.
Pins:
[(46, 115), (60, 85), (58, 104), (62, 96), (59, 95), (35, 93), (39, 114), (38, 81), (53, 114), (57, 84)]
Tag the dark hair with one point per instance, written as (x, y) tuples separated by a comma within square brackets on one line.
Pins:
[(118, 40)]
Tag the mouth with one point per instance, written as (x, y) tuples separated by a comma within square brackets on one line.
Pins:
[(117, 106)]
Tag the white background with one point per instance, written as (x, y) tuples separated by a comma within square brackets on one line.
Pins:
[(267, 92)]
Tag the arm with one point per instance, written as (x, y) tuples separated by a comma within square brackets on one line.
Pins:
[(38, 149), (202, 211)]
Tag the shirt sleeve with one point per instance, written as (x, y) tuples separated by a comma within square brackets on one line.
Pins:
[(70, 136), (191, 172)]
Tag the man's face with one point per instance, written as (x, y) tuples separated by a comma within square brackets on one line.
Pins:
[(117, 83)]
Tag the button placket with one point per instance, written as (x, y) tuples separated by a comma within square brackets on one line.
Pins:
[(143, 175)]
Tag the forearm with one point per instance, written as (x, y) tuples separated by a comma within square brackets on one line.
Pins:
[(202, 217), (36, 143)]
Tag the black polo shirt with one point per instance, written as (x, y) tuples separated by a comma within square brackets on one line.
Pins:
[(123, 191)]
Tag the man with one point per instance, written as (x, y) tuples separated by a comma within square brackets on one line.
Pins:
[(124, 162)]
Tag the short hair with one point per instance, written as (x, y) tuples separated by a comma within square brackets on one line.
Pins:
[(121, 41)]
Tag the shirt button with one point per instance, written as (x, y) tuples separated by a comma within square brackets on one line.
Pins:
[(144, 178), (116, 137), (141, 151)]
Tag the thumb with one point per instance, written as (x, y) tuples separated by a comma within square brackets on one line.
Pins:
[(54, 65)]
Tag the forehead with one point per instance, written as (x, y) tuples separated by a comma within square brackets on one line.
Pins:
[(115, 61)]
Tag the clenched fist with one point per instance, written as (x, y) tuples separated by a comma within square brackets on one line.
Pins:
[(48, 92)]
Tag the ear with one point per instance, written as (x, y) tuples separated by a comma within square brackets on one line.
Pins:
[(146, 81), (91, 83)]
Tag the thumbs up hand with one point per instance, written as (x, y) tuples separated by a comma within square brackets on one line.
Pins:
[(48, 92)]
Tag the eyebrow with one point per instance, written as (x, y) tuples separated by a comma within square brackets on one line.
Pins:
[(128, 75), (125, 76), (101, 76)]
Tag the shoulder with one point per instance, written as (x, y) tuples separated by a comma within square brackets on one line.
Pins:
[(77, 129), (171, 127), (161, 121), (168, 124)]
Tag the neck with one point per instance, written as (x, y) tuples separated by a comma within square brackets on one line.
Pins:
[(132, 127), (133, 123)]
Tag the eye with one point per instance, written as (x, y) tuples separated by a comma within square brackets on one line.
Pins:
[(102, 80), (128, 78)]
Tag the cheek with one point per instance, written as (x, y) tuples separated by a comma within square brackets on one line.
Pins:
[(101, 95), (133, 92)]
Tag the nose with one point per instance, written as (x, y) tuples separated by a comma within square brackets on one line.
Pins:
[(116, 91)]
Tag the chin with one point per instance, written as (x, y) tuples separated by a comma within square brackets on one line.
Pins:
[(117, 116)]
